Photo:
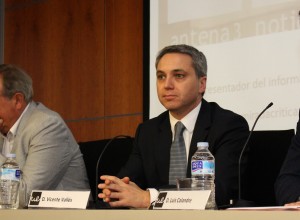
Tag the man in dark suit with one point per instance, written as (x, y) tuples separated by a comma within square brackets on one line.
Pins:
[(287, 186), (181, 83)]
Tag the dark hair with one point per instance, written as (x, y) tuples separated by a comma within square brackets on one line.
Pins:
[(16, 80), (198, 58)]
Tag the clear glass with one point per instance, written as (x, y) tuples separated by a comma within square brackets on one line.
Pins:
[(199, 184)]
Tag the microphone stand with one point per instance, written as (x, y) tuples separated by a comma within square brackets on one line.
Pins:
[(241, 202), (100, 204)]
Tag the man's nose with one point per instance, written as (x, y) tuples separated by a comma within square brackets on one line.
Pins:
[(168, 83)]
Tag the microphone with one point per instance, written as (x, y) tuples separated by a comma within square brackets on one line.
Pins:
[(240, 202), (99, 204)]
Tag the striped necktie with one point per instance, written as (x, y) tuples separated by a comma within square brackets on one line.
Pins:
[(178, 161)]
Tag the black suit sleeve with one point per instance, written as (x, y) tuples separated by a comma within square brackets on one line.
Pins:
[(287, 186)]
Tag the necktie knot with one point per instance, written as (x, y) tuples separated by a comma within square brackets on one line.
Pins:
[(179, 128)]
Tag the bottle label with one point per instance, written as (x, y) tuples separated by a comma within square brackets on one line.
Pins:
[(203, 167), (10, 174)]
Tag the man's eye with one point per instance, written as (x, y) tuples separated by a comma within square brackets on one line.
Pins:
[(179, 76), (160, 77)]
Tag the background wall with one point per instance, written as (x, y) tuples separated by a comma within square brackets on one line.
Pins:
[(85, 58), (252, 49), (1, 29)]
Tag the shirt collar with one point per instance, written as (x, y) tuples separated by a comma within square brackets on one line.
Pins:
[(13, 129), (188, 121)]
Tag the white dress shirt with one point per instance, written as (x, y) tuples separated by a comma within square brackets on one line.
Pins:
[(9, 138), (189, 122)]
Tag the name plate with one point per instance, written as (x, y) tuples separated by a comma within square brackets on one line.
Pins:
[(185, 199), (59, 199)]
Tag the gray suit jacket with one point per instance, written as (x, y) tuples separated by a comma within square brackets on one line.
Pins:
[(47, 153)]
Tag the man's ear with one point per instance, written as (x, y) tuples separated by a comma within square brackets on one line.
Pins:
[(19, 100), (202, 87)]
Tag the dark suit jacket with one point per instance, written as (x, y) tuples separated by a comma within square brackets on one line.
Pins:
[(287, 186), (226, 132)]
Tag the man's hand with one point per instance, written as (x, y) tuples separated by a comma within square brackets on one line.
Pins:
[(106, 197), (293, 204), (126, 193)]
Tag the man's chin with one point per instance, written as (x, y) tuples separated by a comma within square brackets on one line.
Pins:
[(1, 134), (170, 108), (3, 131), (171, 105)]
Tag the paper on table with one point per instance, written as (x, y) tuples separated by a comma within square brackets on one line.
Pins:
[(266, 208)]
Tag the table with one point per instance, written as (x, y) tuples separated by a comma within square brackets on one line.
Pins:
[(139, 214)]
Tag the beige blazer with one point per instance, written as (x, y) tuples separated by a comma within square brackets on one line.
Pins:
[(48, 154)]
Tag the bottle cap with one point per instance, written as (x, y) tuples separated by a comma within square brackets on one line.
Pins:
[(202, 144), (11, 155)]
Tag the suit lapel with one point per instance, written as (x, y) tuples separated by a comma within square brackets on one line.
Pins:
[(162, 149), (201, 131), (23, 124)]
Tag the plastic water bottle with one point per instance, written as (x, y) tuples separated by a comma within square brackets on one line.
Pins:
[(9, 183), (203, 171)]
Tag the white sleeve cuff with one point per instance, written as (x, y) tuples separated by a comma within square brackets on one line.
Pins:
[(153, 195)]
